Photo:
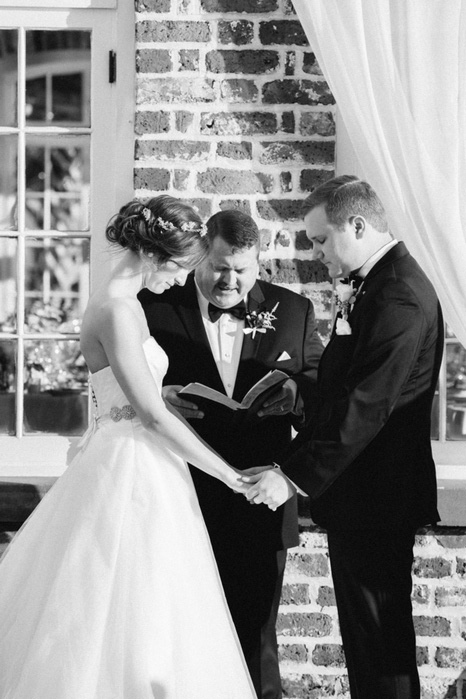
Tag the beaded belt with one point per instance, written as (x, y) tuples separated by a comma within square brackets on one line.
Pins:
[(126, 412)]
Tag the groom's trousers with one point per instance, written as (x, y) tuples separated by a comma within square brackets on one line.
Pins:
[(371, 573)]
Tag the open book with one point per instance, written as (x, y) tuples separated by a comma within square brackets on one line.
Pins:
[(261, 389)]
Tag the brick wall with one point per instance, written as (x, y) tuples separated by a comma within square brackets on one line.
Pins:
[(232, 110), (311, 656)]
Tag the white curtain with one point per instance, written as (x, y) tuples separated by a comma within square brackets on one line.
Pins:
[(397, 70)]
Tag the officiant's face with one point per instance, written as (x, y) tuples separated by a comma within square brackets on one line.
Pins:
[(227, 275), (333, 245)]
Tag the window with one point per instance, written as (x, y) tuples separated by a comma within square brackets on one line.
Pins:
[(61, 180)]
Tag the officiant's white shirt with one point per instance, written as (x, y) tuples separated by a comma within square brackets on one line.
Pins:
[(226, 341)]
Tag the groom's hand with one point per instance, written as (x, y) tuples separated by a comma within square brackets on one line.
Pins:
[(186, 408), (270, 487)]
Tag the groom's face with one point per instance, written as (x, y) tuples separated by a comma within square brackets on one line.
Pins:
[(227, 275), (333, 245)]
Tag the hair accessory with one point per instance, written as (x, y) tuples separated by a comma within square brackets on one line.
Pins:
[(146, 213), (149, 254), (186, 227)]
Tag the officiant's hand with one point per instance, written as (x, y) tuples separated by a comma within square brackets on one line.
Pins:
[(270, 487), (280, 402), (186, 408)]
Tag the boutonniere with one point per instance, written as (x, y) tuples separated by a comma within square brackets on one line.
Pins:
[(260, 321), (345, 296)]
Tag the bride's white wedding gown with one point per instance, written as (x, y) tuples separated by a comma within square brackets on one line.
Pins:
[(110, 589)]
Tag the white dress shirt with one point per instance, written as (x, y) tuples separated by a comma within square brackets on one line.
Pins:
[(226, 341), (373, 259)]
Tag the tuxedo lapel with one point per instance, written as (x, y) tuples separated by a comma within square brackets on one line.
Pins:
[(250, 347), (191, 317)]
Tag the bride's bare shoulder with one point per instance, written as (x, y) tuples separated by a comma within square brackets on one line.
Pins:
[(111, 315)]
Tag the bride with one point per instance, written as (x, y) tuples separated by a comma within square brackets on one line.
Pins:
[(110, 589)]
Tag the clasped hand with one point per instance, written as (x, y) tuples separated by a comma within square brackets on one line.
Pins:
[(269, 486)]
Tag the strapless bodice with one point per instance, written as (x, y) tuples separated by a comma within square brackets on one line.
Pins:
[(106, 388)]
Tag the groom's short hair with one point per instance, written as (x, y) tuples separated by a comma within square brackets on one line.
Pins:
[(236, 228), (347, 196)]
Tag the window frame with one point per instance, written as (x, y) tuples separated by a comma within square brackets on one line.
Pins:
[(111, 170)]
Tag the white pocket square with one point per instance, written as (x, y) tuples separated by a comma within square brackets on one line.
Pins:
[(283, 357)]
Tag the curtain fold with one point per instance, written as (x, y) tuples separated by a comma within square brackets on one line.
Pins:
[(397, 70)]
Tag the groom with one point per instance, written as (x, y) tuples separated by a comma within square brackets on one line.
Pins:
[(204, 327), (367, 465)]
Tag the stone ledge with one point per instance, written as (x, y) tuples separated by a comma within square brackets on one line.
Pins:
[(19, 496)]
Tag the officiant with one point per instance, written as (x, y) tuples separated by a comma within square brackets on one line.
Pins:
[(226, 329)]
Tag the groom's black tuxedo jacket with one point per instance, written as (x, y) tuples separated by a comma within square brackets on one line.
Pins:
[(175, 321), (367, 463)]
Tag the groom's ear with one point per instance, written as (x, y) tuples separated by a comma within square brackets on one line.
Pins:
[(359, 225)]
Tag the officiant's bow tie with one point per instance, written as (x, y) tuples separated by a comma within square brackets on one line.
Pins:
[(238, 311)]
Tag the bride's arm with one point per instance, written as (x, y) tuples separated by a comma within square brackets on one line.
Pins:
[(121, 337)]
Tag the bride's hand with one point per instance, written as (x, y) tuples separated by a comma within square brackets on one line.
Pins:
[(233, 481)]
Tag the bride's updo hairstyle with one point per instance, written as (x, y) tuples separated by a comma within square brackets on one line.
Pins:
[(162, 227)]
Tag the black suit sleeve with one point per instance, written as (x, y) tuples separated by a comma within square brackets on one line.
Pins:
[(382, 355), (306, 379)]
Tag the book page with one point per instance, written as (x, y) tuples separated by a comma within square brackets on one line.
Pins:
[(267, 381), (202, 391)]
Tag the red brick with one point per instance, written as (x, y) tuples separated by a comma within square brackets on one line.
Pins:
[(252, 6), (172, 31), (238, 123), (242, 62), (450, 657), (282, 31), (296, 593), (152, 122), (314, 565), (329, 655), (239, 32), (153, 61), (295, 652), (237, 90), (312, 624), (298, 152), (195, 151), (175, 90), (431, 567), (290, 91), (218, 180), (152, 178), (189, 59), (432, 626)]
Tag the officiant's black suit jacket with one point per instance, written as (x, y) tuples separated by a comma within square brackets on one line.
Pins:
[(367, 462), (175, 321)]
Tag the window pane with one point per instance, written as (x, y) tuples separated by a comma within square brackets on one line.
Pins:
[(57, 83), (456, 391), (55, 398), (8, 284), (7, 387), (57, 183), (8, 74), (56, 284), (8, 184)]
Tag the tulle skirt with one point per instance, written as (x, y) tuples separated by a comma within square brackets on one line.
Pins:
[(110, 589)]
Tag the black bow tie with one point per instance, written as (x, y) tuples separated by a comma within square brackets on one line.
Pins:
[(356, 279), (238, 311)]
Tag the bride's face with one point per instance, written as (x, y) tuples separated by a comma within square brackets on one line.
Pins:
[(158, 277)]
